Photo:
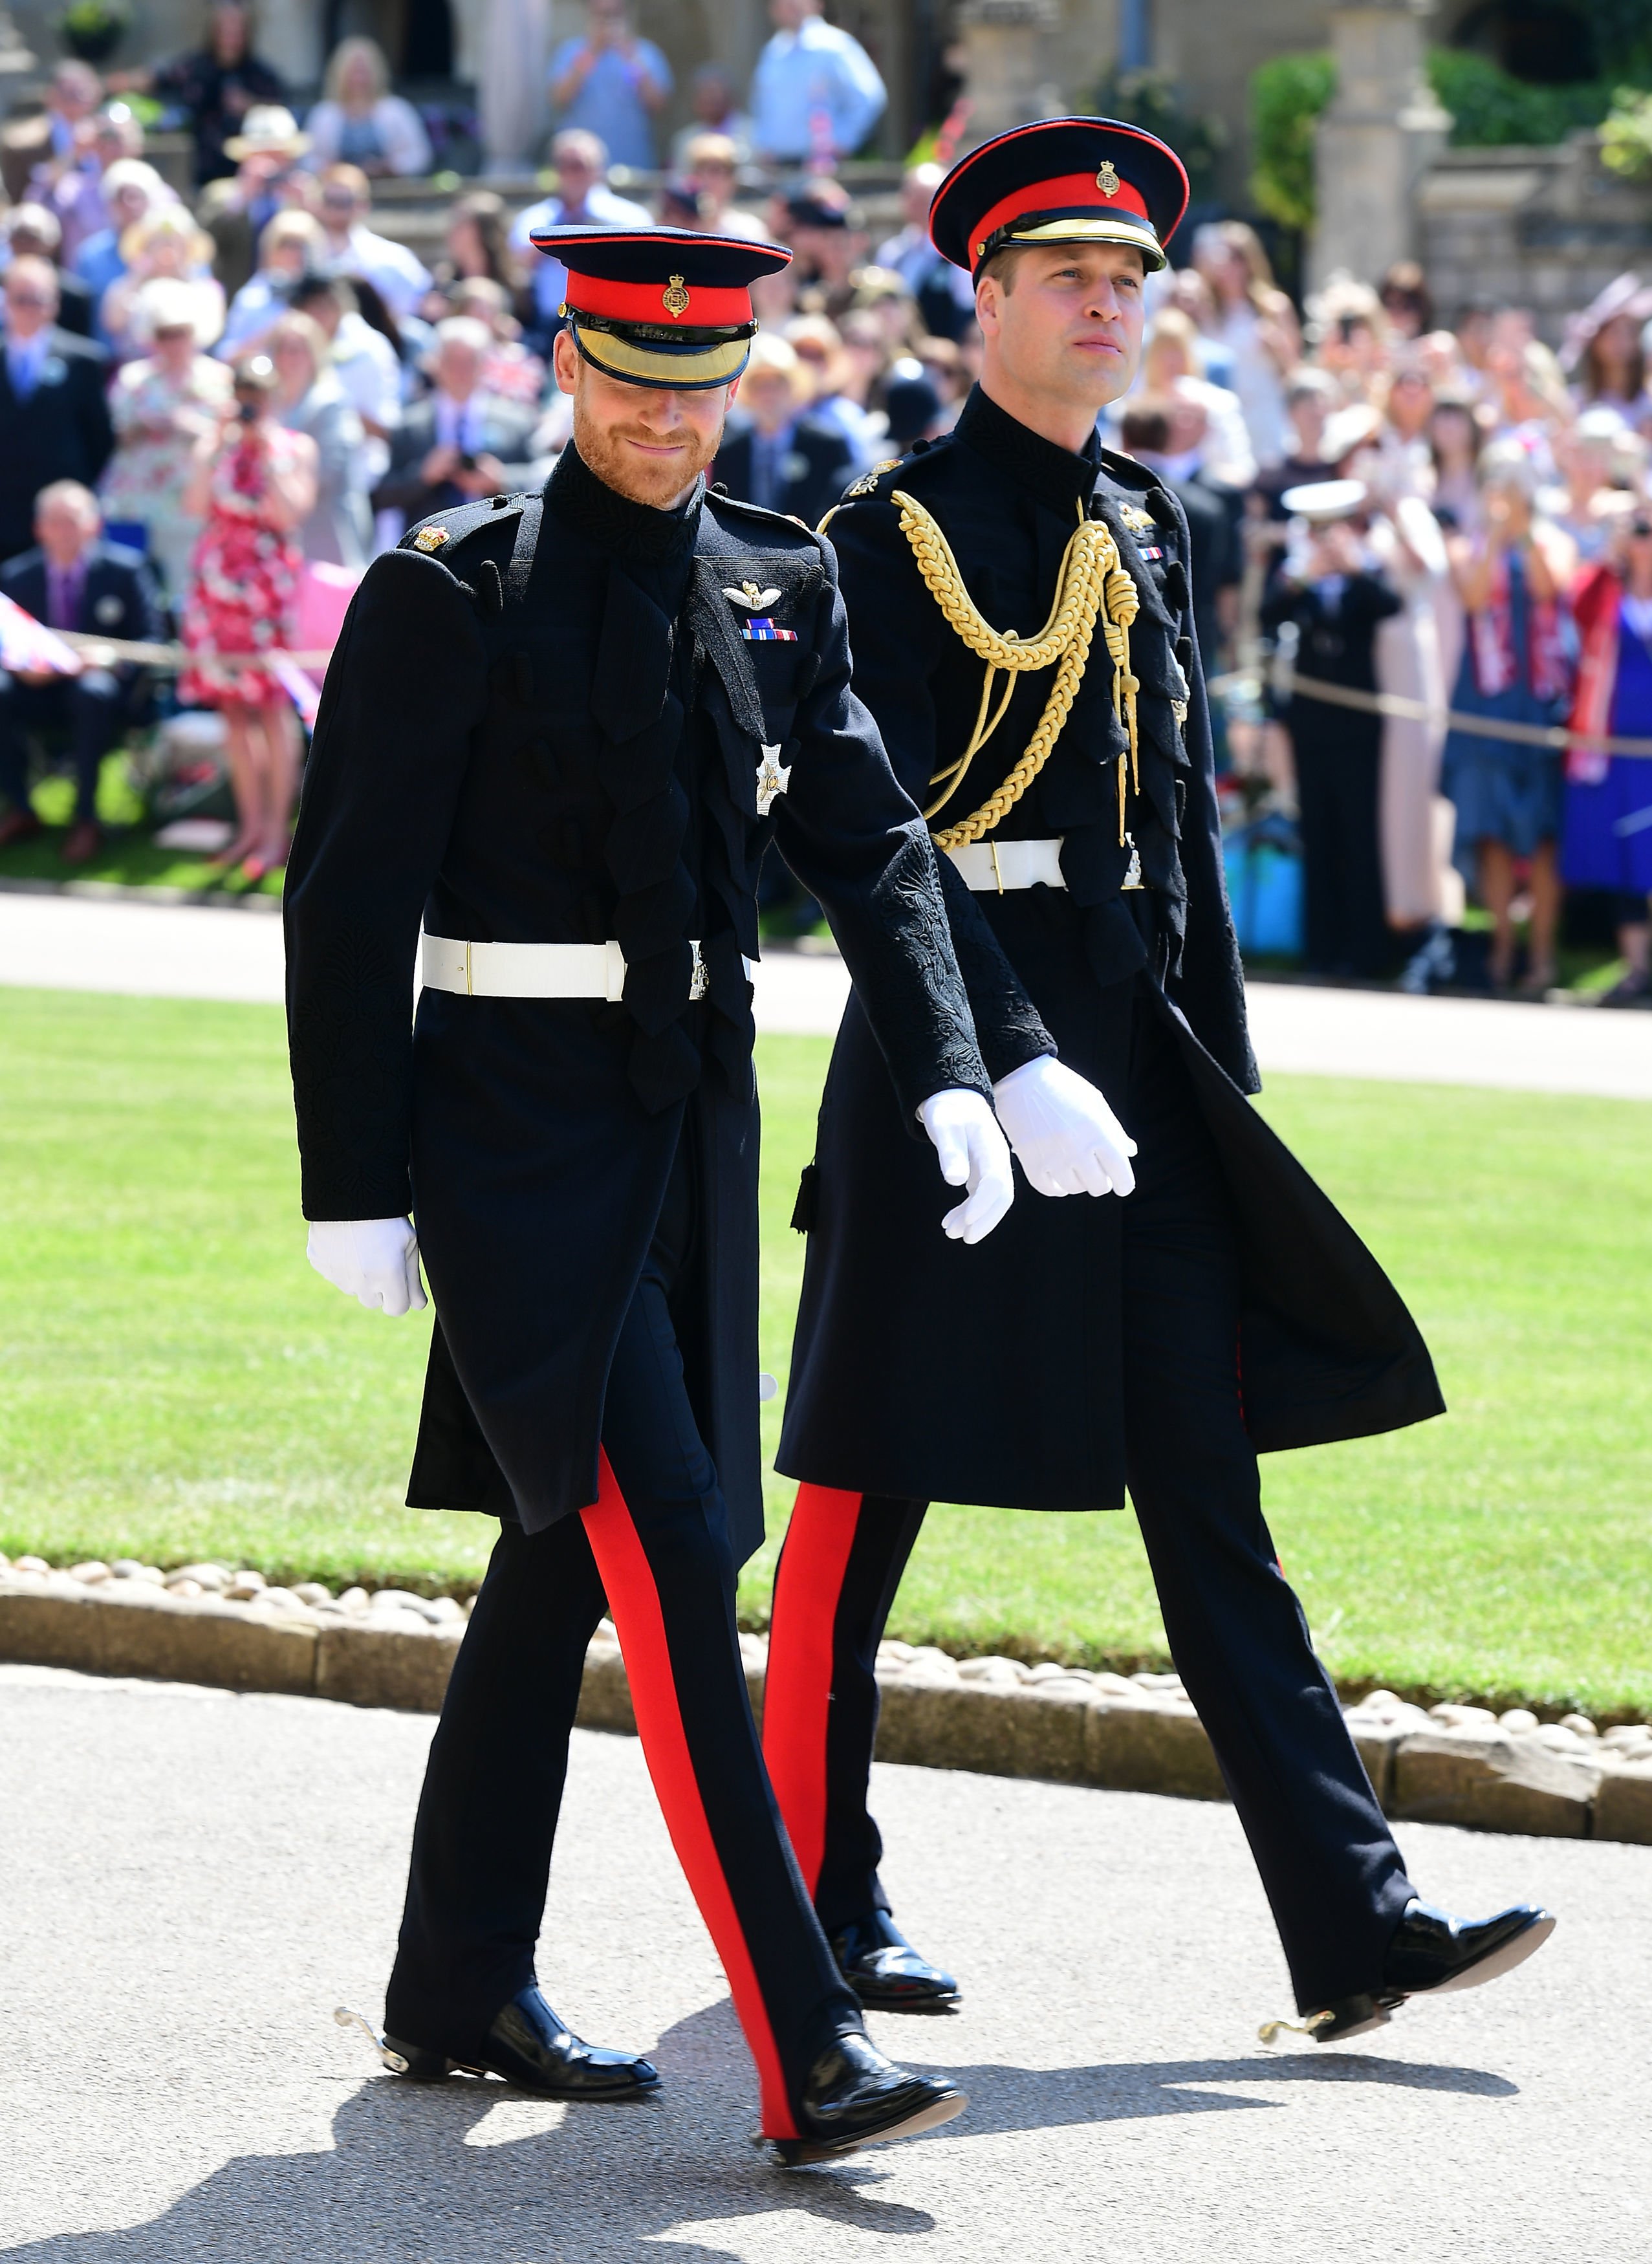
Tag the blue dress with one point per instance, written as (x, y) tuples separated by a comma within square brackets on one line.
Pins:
[(1607, 841), (1504, 790)]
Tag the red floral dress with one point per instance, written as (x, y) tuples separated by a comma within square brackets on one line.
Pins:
[(243, 584)]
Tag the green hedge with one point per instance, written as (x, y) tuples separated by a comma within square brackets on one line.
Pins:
[(1489, 109)]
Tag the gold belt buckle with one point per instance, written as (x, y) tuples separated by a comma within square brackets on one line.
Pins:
[(997, 871), (470, 978)]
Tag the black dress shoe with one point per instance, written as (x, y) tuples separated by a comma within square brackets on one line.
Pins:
[(1431, 1952), (882, 1967), (530, 2048), (854, 2097)]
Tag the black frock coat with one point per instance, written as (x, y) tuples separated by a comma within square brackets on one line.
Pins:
[(549, 729), (925, 1370)]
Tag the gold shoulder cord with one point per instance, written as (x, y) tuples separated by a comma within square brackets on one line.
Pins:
[(1091, 585)]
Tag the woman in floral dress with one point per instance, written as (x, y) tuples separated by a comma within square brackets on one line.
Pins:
[(254, 482)]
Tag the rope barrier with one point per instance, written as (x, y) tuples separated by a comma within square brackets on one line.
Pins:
[(102, 651), (1477, 726)]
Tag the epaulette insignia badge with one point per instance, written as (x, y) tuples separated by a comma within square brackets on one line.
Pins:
[(431, 538), (869, 480)]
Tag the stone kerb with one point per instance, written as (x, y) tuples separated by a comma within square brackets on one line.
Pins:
[(1456, 1763)]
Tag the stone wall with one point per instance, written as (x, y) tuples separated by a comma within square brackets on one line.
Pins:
[(1545, 228)]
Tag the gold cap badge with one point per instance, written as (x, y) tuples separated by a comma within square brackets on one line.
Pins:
[(1107, 178), (430, 537), (674, 297)]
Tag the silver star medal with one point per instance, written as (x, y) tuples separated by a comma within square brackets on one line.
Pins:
[(773, 777)]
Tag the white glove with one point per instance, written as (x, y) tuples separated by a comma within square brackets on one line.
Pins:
[(971, 1148), (1060, 1125), (375, 1260)]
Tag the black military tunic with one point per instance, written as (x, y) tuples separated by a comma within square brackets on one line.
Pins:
[(951, 1389), (1155, 1340), (558, 732)]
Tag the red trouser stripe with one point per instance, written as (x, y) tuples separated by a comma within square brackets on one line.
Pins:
[(633, 1598), (798, 1692)]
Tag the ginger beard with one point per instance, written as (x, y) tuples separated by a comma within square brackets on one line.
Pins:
[(648, 443)]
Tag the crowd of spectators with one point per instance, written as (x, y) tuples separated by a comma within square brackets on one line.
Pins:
[(258, 386)]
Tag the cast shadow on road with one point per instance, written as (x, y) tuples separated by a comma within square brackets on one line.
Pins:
[(1003, 2099), (410, 2178)]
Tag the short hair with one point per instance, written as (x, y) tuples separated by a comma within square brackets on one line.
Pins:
[(313, 288), (38, 221), (80, 499), (289, 226), (132, 173), (350, 177), (584, 146), (463, 331), (1145, 424), (32, 263), (1505, 464), (1001, 266), (1309, 383), (770, 351), (712, 150), (309, 334)]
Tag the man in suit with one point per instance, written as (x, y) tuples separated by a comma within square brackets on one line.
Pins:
[(1338, 596), (54, 418), (460, 443), (34, 232), (773, 453), (73, 580)]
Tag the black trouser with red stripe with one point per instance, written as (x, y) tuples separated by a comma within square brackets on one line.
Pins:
[(1328, 1860), (655, 1548)]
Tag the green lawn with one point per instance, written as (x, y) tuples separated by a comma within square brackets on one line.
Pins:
[(178, 1382)]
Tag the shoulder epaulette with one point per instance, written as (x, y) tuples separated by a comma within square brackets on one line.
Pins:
[(776, 522), (881, 481), (443, 529)]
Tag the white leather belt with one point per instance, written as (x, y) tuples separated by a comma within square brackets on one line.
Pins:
[(537, 970), (990, 867)]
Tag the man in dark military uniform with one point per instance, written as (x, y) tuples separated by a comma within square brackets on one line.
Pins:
[(1021, 618), (561, 730)]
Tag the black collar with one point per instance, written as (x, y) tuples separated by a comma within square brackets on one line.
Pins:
[(1055, 476), (635, 532)]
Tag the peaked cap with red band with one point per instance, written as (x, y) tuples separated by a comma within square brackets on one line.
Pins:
[(1061, 180), (666, 307)]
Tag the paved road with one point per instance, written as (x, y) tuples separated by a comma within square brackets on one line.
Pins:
[(76, 943), (190, 1881)]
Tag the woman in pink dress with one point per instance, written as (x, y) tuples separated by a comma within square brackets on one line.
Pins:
[(254, 484)]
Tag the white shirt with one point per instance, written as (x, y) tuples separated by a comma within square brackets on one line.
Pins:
[(817, 69), (400, 279), (459, 423), (602, 207), (24, 358)]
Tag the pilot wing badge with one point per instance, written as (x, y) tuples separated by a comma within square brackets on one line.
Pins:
[(773, 778), (757, 624)]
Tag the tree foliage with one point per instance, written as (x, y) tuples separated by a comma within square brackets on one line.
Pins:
[(1149, 99), (1286, 97), (1489, 109)]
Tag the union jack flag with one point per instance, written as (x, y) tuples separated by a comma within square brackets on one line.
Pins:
[(27, 647)]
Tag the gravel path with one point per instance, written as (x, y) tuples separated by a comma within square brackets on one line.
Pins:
[(191, 1882)]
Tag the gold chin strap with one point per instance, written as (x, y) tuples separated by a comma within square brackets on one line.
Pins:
[(1092, 585)]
